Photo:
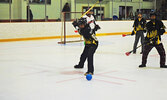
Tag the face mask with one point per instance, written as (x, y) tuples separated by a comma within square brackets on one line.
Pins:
[(139, 17)]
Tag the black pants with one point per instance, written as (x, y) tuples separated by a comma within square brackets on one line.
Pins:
[(137, 37), (161, 51), (88, 54), (67, 16)]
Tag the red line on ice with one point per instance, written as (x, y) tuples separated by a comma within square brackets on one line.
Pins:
[(68, 80), (155, 55), (117, 78), (108, 82), (80, 77)]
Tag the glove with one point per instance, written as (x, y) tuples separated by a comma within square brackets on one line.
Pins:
[(75, 24), (133, 33), (161, 31), (154, 40), (146, 40), (150, 41), (97, 27)]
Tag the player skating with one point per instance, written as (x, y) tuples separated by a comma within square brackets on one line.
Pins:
[(139, 29), (155, 28), (91, 44)]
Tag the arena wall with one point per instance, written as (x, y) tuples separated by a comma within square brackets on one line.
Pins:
[(52, 30)]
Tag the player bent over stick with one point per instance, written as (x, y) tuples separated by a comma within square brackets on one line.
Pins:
[(91, 44), (155, 28)]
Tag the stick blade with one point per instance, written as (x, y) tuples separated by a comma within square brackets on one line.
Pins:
[(76, 31), (128, 53), (123, 35)]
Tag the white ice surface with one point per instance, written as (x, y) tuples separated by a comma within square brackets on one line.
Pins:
[(43, 70)]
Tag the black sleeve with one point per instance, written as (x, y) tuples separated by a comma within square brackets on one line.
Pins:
[(147, 27), (133, 33), (134, 23), (97, 27), (144, 23), (162, 28)]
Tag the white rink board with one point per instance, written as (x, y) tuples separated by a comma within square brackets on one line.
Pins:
[(47, 29)]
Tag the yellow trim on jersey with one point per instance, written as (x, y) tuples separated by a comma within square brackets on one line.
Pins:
[(139, 28), (90, 41), (153, 34)]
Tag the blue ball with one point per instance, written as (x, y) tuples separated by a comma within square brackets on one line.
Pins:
[(89, 77)]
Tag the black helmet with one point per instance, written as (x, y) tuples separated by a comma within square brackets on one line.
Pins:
[(82, 21), (153, 14)]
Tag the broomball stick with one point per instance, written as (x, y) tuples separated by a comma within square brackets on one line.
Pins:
[(133, 32), (128, 53), (91, 8), (124, 35), (76, 31)]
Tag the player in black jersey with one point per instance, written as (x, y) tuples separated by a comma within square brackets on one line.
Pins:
[(155, 29), (91, 44), (139, 29)]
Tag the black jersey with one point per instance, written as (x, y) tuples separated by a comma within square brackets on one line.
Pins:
[(139, 25), (89, 38), (154, 31)]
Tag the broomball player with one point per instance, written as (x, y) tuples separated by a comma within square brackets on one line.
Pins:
[(155, 28), (139, 30), (91, 44)]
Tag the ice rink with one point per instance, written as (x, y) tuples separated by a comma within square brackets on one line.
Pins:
[(43, 70)]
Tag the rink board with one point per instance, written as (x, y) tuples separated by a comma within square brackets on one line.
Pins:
[(52, 30)]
